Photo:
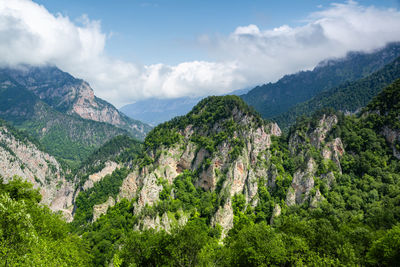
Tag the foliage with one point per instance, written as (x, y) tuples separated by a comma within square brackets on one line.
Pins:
[(69, 138), (273, 99), (31, 235), (99, 193), (347, 97)]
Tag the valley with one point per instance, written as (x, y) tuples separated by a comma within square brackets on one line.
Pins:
[(199, 134)]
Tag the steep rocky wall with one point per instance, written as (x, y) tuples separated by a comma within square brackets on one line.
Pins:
[(239, 175), (305, 176), (25, 160)]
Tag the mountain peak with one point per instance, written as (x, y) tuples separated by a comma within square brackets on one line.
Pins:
[(72, 96), (216, 108)]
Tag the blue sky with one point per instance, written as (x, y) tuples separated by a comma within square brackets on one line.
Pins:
[(166, 31), (132, 50)]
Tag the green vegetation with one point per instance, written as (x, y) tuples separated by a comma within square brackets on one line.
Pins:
[(69, 138), (31, 235), (273, 99), (348, 97), (384, 109), (120, 149), (214, 120), (355, 223), (99, 193)]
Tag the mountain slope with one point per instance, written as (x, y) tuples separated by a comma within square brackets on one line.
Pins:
[(72, 96), (21, 156), (214, 144), (348, 97), (275, 98), (67, 137), (326, 194), (384, 112)]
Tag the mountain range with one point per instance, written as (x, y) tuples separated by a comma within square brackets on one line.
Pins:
[(273, 99), (218, 186), (61, 111)]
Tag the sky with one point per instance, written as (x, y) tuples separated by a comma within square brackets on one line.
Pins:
[(130, 50)]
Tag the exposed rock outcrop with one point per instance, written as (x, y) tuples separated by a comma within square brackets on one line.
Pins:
[(304, 178), (303, 182), (235, 175), (24, 159), (165, 222), (101, 209), (110, 166)]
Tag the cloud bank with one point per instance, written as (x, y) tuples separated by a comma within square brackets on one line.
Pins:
[(30, 34)]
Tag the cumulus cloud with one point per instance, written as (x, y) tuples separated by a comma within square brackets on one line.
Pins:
[(248, 56)]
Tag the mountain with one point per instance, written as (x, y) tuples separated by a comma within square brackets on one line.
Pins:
[(72, 96), (273, 99), (155, 111), (68, 137), (22, 156), (221, 186), (348, 97)]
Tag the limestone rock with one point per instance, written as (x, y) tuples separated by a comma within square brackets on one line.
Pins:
[(25, 160), (93, 178), (303, 182), (275, 213), (316, 199), (100, 209), (324, 126)]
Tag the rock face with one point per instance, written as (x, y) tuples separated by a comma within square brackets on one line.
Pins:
[(101, 209), (235, 175), (22, 158), (165, 222), (110, 166), (303, 182), (304, 178)]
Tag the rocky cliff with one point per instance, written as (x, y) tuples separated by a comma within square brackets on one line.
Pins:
[(19, 157), (321, 159), (228, 151), (229, 165)]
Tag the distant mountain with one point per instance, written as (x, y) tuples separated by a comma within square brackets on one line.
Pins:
[(68, 137), (72, 96), (348, 97), (155, 111), (273, 99)]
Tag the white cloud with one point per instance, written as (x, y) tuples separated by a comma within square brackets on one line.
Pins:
[(248, 56)]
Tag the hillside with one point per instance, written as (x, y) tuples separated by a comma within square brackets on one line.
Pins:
[(22, 156), (68, 137), (348, 97), (275, 98), (221, 171), (72, 96), (325, 194)]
